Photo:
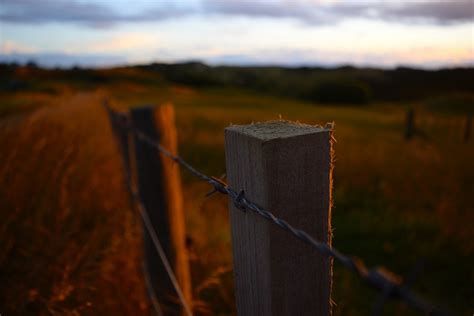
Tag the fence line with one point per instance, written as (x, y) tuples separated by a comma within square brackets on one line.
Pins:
[(137, 203), (378, 278)]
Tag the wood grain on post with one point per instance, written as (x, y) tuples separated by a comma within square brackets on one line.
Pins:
[(159, 185), (286, 168)]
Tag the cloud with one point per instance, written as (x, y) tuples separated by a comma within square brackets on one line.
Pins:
[(266, 9), (122, 42), (98, 14), (73, 11), (9, 47), (440, 12), (317, 12)]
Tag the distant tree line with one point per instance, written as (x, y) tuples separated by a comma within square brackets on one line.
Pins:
[(347, 85), (444, 89)]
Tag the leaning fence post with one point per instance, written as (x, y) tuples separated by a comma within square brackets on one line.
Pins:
[(286, 168), (159, 187)]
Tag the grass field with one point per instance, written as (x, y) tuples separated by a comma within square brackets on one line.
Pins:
[(70, 245)]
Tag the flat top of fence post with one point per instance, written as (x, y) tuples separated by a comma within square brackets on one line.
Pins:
[(276, 129)]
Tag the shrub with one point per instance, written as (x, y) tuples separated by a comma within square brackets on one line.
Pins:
[(342, 92)]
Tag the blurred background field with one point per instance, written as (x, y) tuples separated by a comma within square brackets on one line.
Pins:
[(69, 244)]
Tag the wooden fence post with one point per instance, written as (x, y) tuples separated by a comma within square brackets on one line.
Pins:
[(410, 128), (159, 187), (467, 128), (285, 168)]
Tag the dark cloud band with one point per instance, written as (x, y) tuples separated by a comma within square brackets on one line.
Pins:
[(437, 11), (73, 11), (100, 15)]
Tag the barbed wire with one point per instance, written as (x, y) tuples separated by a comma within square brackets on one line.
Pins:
[(379, 278), (161, 252)]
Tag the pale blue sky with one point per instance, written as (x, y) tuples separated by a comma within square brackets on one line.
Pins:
[(289, 32)]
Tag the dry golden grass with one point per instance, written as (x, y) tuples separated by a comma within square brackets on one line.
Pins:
[(72, 245), (69, 244)]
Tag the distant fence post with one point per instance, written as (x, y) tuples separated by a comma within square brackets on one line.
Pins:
[(159, 187), (285, 168), (410, 124), (467, 129)]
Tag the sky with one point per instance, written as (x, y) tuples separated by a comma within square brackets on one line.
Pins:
[(426, 33)]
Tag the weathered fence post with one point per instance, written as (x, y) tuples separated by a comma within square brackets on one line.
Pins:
[(467, 128), (410, 124), (159, 187), (285, 168)]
